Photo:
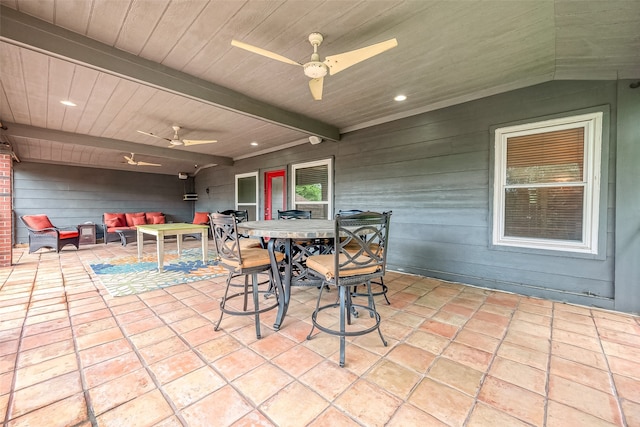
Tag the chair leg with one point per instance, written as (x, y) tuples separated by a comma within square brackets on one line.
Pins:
[(344, 311), (223, 301), (256, 299)]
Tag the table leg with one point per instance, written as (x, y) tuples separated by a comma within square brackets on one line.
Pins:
[(179, 241), (140, 240), (285, 289), (160, 248), (205, 245)]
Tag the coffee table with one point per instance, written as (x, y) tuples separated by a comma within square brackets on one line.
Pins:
[(176, 229)]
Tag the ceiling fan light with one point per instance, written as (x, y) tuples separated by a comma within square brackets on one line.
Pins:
[(315, 70)]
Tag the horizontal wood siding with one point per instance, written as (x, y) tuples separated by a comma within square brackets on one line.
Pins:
[(75, 195), (433, 171)]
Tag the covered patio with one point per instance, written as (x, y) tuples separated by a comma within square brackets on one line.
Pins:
[(71, 354)]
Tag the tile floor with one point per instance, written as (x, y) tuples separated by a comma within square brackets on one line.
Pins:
[(72, 355)]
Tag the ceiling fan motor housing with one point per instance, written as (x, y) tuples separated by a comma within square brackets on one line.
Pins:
[(315, 69)]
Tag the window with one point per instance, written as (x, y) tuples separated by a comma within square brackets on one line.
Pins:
[(312, 188), (546, 184), (247, 194)]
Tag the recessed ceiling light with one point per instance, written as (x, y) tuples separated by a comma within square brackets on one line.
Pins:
[(68, 103), (400, 98), (255, 144)]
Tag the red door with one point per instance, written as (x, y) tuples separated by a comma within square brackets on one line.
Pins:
[(275, 193)]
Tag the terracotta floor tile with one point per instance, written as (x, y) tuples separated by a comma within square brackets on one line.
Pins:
[(477, 340), (272, 345), (432, 343), (513, 400), (586, 399), (222, 407), (583, 374), (368, 403), (411, 357), (261, 383), (559, 415), (316, 379), (519, 374), (485, 415), (428, 375), (94, 326), (393, 378), (38, 372), (439, 328), (119, 390), (45, 352), (332, 417), (65, 412), (44, 338), (194, 386), (97, 338), (238, 363), (103, 352), (45, 393), (442, 402), (278, 408), (153, 405), (161, 350), (152, 336), (456, 375), (472, 357), (110, 369), (297, 360), (409, 415), (523, 355), (628, 388), (219, 347)]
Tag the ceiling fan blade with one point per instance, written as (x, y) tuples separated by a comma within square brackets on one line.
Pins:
[(337, 63), (188, 142), (155, 136), (147, 164), (316, 88), (263, 52), (128, 159)]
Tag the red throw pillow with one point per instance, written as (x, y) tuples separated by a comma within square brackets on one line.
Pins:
[(150, 215), (158, 219), (139, 220), (113, 222), (130, 217), (119, 215), (201, 218)]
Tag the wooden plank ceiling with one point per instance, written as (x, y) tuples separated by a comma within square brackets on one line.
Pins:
[(149, 64)]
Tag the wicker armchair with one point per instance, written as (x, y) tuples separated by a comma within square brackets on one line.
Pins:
[(43, 234)]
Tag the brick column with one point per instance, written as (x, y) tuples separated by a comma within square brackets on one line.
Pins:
[(6, 209)]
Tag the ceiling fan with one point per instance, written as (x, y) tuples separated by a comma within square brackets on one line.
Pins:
[(176, 141), (131, 161), (315, 69)]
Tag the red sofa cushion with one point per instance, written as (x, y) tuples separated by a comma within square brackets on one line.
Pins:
[(38, 222), (139, 220), (150, 215), (129, 217), (120, 216), (201, 218), (113, 222), (68, 234)]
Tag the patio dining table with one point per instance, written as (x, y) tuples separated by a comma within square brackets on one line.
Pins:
[(289, 232)]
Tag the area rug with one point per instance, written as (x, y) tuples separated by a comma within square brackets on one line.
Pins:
[(128, 276)]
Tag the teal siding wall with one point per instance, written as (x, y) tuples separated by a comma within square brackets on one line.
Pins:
[(75, 195), (433, 171)]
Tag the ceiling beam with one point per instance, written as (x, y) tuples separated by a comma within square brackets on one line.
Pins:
[(27, 31), (14, 129)]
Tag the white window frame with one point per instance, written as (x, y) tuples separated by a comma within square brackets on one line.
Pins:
[(592, 124), (329, 202), (256, 204)]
